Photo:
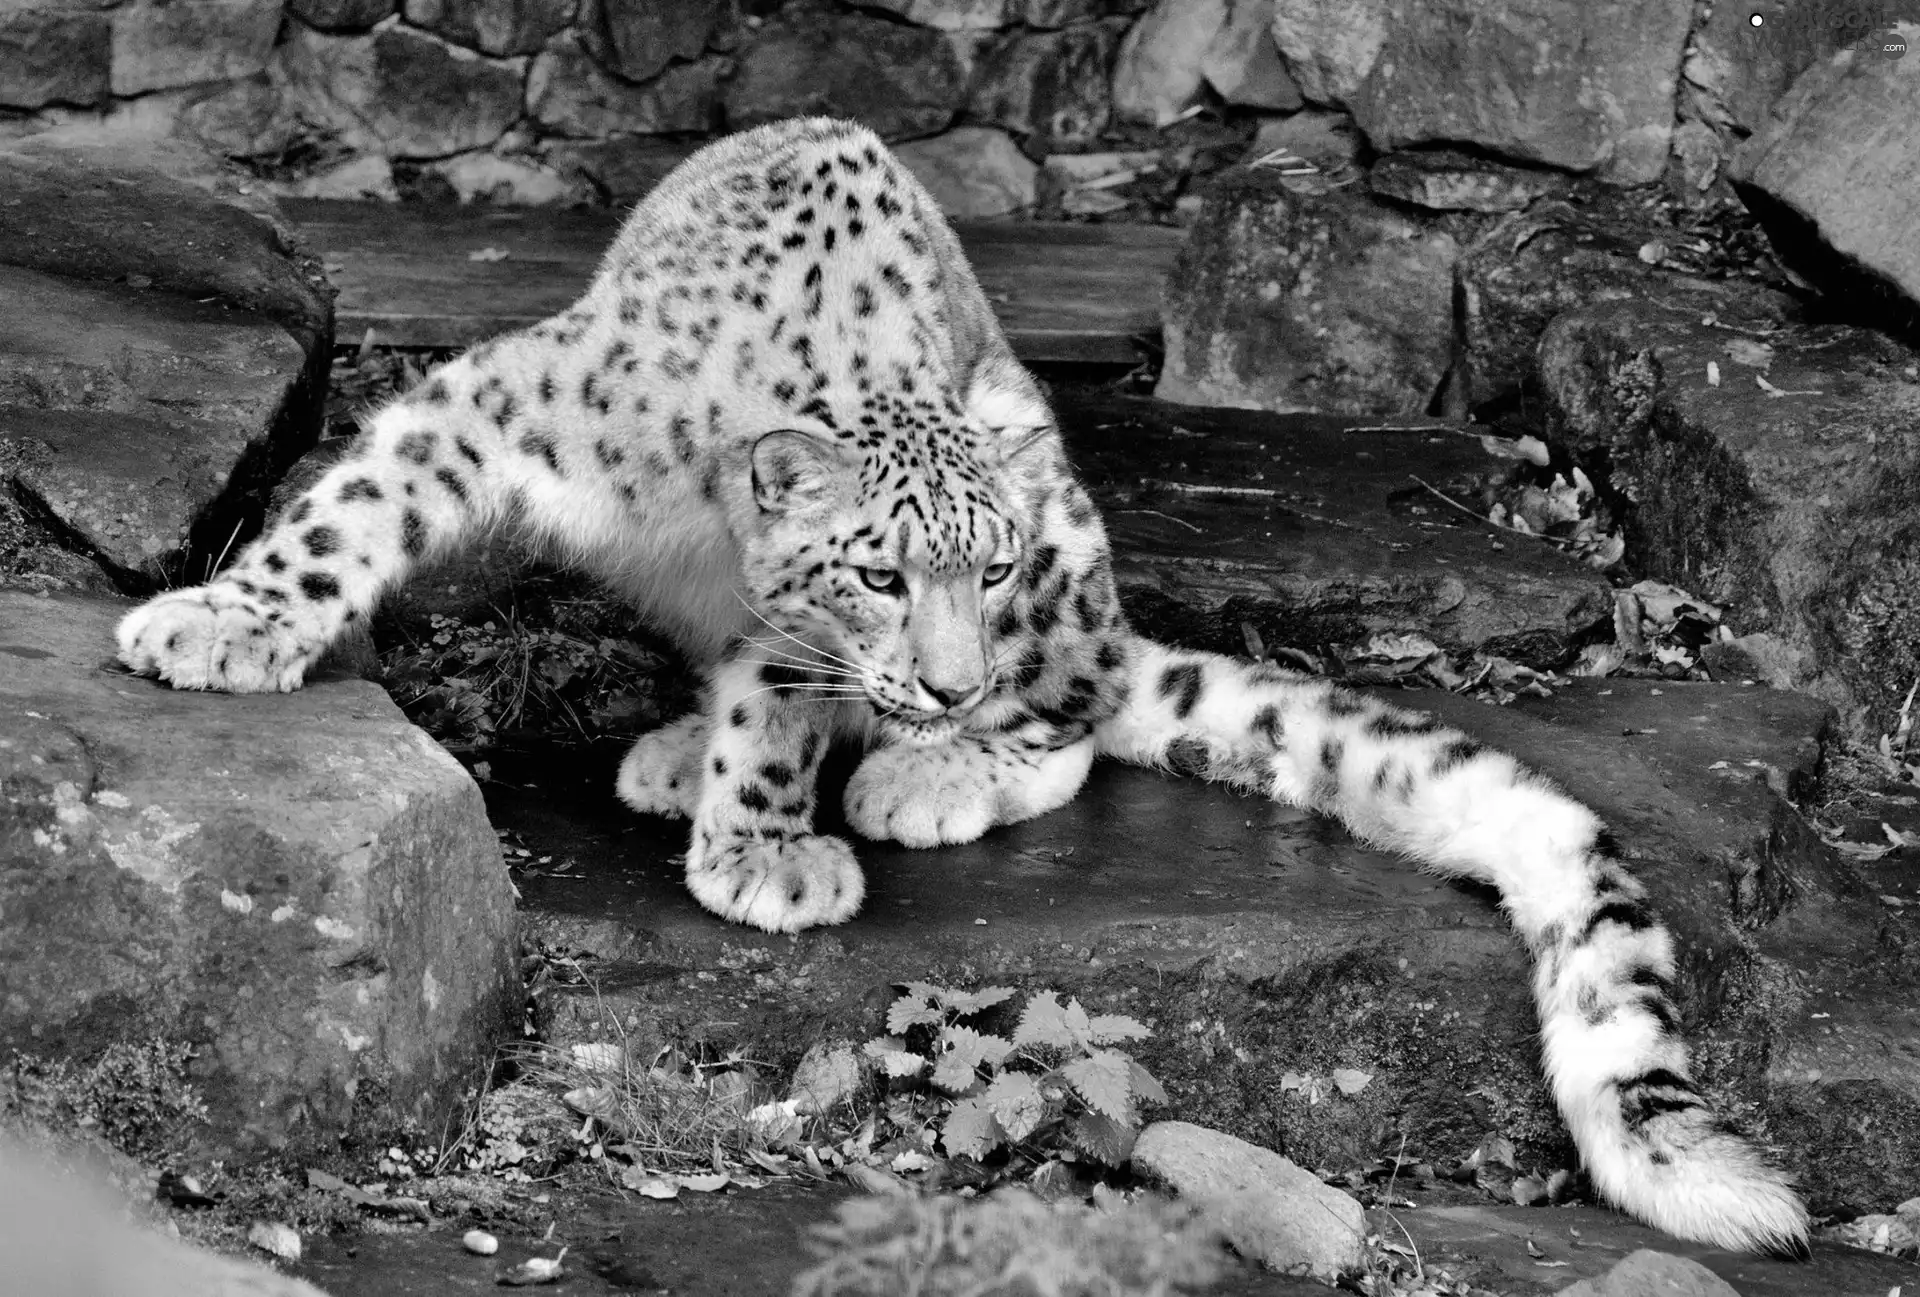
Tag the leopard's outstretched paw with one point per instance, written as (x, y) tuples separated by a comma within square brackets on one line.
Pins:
[(214, 637)]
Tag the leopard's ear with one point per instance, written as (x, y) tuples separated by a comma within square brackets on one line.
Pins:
[(1006, 400), (793, 470)]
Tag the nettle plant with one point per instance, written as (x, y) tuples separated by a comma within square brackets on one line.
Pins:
[(1058, 1081)]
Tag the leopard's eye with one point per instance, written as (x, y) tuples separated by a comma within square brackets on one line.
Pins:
[(996, 573), (883, 580)]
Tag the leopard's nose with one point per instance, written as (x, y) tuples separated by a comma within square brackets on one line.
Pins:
[(948, 698)]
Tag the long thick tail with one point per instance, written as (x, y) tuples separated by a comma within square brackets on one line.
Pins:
[(1603, 964)]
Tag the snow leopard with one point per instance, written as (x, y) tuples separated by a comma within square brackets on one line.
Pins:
[(784, 424)]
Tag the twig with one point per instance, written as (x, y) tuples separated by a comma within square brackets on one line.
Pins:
[(1207, 488), (1472, 513), (1169, 517)]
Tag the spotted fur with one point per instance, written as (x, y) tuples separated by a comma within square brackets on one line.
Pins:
[(784, 424)]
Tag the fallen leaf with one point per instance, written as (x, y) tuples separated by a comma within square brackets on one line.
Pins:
[(534, 1270), (704, 1183), (1713, 373), (488, 254), (1349, 1081)]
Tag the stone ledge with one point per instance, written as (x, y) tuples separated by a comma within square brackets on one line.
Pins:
[(305, 887)]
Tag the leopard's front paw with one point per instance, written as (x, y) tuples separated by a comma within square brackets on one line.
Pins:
[(661, 772), (213, 637), (781, 885), (921, 797)]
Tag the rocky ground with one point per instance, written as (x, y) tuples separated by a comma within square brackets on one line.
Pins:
[(263, 948)]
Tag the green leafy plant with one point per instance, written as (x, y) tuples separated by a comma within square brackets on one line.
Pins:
[(1057, 1080), (137, 1095)]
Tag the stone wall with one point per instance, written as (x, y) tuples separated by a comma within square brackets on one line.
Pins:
[(572, 100)]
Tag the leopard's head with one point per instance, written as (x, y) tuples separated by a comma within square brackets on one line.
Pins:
[(885, 564)]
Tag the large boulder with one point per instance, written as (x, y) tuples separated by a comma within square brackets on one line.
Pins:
[(1180, 46), (903, 82), (569, 94), (399, 92), (1521, 273), (497, 27), (1587, 88), (164, 215), (638, 38), (165, 359), (54, 53), (1288, 300), (304, 888), (1051, 87), (1835, 174), (1772, 469)]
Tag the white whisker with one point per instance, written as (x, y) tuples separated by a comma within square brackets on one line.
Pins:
[(783, 633)]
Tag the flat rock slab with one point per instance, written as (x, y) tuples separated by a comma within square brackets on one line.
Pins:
[(1315, 530), (305, 887), (1240, 930), (1534, 1251), (1783, 492), (165, 213), (130, 417)]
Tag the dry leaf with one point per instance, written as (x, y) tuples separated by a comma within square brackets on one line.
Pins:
[(1349, 1081), (488, 254), (534, 1270)]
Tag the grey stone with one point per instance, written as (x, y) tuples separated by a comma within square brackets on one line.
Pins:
[(125, 414), (637, 38), (343, 15), (1290, 301), (1445, 180), (1524, 271), (1327, 140), (1586, 88), (54, 54), (1051, 87), (829, 1074), (1163, 59), (302, 886), (1060, 13), (1330, 46), (951, 15), (167, 213), (902, 81), (1242, 63), (1795, 512), (493, 26), (1837, 159), (244, 119), (623, 170), (401, 92), (1269, 1209), (1737, 72), (1647, 1273), (516, 181), (973, 171), (1315, 540), (186, 42), (568, 94), (368, 177)]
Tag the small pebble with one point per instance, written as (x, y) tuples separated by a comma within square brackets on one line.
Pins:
[(479, 1242), (281, 1240)]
